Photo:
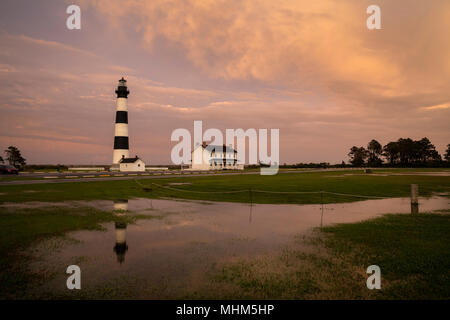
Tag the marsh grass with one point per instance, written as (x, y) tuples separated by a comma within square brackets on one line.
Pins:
[(413, 252)]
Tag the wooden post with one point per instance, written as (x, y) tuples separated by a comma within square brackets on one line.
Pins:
[(321, 214), (414, 198)]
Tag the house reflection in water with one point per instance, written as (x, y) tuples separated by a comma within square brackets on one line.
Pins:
[(121, 247)]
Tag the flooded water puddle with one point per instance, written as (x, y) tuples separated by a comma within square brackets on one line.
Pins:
[(175, 251)]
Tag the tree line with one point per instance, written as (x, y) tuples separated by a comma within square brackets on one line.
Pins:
[(404, 152)]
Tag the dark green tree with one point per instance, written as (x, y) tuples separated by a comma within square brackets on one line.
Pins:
[(374, 151), (358, 156), (408, 150), (14, 157), (391, 152), (447, 153), (426, 151)]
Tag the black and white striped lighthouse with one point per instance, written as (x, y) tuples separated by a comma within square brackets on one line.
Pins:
[(121, 147)]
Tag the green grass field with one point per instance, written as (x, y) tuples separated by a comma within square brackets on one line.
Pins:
[(214, 188)]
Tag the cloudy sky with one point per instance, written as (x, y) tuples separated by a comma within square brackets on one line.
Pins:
[(310, 68)]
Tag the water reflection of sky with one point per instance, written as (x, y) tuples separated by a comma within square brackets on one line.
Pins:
[(189, 236)]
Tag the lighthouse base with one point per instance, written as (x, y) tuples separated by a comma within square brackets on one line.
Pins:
[(119, 154)]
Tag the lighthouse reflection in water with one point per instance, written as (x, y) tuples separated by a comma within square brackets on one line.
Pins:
[(121, 247)]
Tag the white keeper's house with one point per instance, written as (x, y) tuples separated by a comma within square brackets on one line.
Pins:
[(131, 164), (214, 157)]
